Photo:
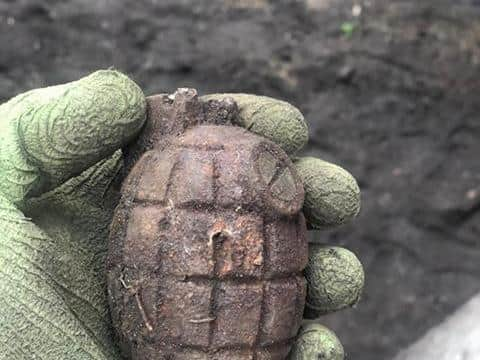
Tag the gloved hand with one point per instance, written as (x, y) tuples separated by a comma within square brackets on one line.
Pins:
[(58, 158)]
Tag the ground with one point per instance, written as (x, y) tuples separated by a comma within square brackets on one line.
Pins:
[(390, 90)]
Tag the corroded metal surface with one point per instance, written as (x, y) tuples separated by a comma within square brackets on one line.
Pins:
[(207, 248)]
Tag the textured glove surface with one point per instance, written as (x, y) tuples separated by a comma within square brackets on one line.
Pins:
[(58, 158), (52, 302)]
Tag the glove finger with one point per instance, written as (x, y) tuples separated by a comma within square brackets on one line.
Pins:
[(54, 133), (335, 280), (316, 342), (274, 119), (332, 196)]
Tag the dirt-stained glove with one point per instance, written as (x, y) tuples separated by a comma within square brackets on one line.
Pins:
[(58, 159)]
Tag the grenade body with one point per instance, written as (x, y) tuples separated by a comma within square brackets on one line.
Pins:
[(207, 249)]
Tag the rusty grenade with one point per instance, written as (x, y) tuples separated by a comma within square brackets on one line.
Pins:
[(208, 242)]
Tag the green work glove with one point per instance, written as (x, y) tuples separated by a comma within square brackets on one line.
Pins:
[(58, 158)]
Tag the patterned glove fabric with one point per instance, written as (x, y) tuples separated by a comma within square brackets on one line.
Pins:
[(59, 155)]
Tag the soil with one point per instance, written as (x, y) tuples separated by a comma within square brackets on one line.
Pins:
[(390, 90)]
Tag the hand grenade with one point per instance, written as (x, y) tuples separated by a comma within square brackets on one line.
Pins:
[(207, 244)]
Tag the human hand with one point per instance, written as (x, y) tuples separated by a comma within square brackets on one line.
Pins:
[(58, 160), (54, 215)]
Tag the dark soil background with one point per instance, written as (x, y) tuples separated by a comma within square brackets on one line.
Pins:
[(393, 97)]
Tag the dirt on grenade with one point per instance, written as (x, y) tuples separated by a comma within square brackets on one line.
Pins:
[(208, 243)]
